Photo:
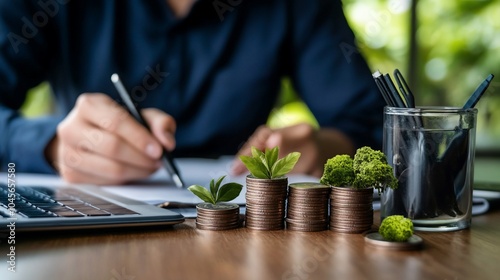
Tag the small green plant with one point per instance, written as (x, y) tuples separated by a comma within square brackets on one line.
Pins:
[(396, 228), (266, 165), (339, 171), (369, 168), (217, 193)]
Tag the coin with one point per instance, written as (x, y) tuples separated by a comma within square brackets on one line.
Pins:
[(217, 207), (349, 230), (306, 227), (307, 207), (205, 227), (306, 221), (219, 216), (375, 239), (351, 210), (265, 203)]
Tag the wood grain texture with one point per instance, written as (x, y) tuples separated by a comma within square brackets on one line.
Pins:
[(182, 252)]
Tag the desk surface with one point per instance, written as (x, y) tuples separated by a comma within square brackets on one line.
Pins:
[(182, 252)]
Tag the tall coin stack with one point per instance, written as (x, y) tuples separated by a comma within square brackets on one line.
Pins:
[(351, 210), (307, 208), (221, 216), (265, 203)]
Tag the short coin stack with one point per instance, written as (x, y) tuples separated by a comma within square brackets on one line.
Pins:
[(265, 203), (351, 210), (221, 216), (307, 208)]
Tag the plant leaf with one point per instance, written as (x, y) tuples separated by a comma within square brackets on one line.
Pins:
[(256, 153), (213, 190), (260, 157), (255, 166), (285, 165), (229, 192), (217, 186), (267, 168), (202, 193), (272, 157)]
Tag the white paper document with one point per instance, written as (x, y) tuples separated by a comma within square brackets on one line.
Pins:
[(159, 188)]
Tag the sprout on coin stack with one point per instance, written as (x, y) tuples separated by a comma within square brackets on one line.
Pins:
[(213, 214), (352, 182), (267, 188)]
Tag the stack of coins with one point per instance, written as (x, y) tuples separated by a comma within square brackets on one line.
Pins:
[(265, 203), (221, 216), (307, 208), (351, 210)]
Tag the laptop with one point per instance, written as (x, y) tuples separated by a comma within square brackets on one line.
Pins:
[(41, 208)]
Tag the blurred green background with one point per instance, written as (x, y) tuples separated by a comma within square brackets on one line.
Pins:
[(451, 47)]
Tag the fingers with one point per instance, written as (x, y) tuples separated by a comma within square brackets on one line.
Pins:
[(257, 140), (298, 138), (105, 144), (101, 111), (162, 126), (86, 167), (99, 142)]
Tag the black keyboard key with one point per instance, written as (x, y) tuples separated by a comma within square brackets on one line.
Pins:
[(54, 208), (73, 203), (68, 213), (35, 214), (33, 195)]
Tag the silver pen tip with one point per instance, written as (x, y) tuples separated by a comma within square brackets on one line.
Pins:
[(177, 180), (115, 78)]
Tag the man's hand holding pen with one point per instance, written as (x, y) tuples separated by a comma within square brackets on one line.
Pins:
[(99, 142)]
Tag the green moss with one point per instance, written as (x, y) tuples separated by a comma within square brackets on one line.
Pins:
[(396, 228), (338, 171)]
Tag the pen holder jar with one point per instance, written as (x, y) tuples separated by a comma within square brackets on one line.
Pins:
[(431, 150)]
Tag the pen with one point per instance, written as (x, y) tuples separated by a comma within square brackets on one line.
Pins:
[(166, 158), (380, 84), (478, 93), (393, 91), (409, 99)]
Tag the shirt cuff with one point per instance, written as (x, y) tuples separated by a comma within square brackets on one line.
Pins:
[(28, 139)]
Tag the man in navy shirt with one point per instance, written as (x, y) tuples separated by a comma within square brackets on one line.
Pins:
[(206, 73)]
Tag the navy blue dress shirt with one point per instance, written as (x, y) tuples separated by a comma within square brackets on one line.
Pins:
[(217, 71)]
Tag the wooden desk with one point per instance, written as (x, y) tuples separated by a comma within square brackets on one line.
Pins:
[(182, 252)]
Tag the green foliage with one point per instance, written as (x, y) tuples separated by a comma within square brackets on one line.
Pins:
[(377, 174), (368, 169), (456, 46), (266, 165), (365, 155), (396, 228), (338, 171), (372, 170), (217, 193)]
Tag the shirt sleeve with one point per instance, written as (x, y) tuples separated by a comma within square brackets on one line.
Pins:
[(23, 57), (330, 74)]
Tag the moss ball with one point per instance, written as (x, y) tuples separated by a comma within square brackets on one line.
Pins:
[(396, 228)]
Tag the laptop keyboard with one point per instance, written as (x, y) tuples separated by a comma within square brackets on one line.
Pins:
[(41, 202)]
